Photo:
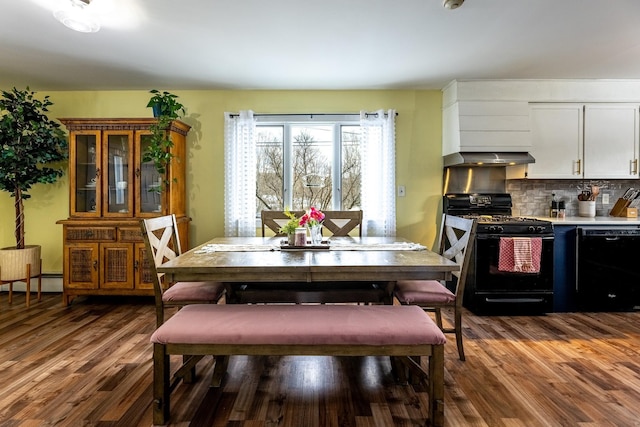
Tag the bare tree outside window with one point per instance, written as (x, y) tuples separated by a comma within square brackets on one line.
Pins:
[(312, 168), (270, 168), (351, 169)]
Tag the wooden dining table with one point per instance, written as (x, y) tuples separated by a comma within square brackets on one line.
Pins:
[(341, 262)]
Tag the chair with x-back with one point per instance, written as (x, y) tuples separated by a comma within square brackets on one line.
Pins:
[(341, 223), (456, 240), (163, 244), (273, 220)]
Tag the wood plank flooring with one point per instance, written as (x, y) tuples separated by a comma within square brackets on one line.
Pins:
[(90, 365)]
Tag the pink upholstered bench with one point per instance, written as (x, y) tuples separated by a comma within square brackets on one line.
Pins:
[(332, 330)]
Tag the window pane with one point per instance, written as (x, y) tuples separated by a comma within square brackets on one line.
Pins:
[(269, 168), (312, 158), (351, 172)]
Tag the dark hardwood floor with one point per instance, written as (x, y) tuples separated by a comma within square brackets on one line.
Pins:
[(90, 365)]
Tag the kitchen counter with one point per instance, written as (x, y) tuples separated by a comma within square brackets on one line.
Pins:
[(598, 220)]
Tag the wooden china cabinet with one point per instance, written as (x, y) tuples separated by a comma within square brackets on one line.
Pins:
[(111, 189)]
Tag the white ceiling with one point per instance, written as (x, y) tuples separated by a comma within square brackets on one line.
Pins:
[(322, 44)]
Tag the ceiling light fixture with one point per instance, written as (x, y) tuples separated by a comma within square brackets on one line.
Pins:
[(452, 4), (77, 17)]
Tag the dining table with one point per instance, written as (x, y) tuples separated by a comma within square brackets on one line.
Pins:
[(268, 265)]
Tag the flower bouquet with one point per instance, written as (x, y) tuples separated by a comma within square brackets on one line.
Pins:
[(312, 219)]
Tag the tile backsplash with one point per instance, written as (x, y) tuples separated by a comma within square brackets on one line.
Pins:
[(532, 197)]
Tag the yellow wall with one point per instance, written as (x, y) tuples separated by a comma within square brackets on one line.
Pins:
[(418, 155)]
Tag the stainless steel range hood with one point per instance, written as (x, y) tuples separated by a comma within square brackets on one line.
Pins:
[(487, 159)]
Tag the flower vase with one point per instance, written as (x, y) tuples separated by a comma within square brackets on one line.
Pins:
[(316, 234)]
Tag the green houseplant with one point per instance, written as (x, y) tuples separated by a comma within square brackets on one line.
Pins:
[(289, 228), (165, 108), (31, 145)]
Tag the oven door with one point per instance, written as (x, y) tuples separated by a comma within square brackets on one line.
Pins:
[(491, 291)]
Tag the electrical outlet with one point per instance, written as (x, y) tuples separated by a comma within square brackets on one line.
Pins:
[(605, 198), (401, 191)]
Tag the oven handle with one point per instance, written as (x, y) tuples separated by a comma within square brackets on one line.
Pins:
[(480, 236)]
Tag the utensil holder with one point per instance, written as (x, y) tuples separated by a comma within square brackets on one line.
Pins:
[(587, 208)]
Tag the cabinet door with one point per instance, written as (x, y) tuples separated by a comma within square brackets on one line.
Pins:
[(611, 141), (557, 137), (150, 195), (85, 173), (81, 265), (118, 164), (143, 279), (116, 266)]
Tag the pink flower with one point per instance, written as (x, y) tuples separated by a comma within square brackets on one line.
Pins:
[(312, 217)]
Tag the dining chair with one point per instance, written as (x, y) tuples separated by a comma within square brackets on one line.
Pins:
[(341, 223), (163, 244), (273, 220), (455, 242)]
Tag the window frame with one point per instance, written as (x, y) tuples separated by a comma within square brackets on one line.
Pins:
[(287, 121)]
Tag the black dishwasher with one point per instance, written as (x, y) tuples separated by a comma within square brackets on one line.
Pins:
[(608, 270)]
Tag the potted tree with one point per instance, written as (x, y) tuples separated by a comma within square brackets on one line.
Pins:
[(31, 145), (165, 108)]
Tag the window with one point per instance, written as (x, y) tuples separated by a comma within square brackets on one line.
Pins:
[(329, 161), (302, 163)]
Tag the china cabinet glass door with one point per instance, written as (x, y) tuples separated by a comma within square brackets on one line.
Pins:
[(118, 196), (86, 192), (151, 185)]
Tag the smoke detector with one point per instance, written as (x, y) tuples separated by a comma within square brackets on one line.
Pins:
[(452, 4)]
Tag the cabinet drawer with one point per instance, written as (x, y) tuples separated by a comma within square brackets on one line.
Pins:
[(94, 234), (132, 234)]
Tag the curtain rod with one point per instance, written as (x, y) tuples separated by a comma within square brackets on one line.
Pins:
[(311, 115)]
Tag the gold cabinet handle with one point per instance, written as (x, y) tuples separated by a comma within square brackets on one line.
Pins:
[(579, 166), (95, 265)]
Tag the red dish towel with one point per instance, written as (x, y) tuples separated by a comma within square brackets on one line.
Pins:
[(520, 254)]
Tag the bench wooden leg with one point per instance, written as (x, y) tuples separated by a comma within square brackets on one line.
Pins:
[(219, 370), (436, 386), (187, 372), (161, 387)]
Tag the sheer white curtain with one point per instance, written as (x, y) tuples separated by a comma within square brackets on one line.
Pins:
[(378, 156), (240, 174)]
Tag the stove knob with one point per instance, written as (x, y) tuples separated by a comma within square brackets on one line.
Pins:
[(540, 229), (532, 229), (495, 228)]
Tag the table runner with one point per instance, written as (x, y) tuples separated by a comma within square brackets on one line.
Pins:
[(334, 246)]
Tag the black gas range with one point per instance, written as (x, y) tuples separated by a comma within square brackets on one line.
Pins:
[(489, 289), (508, 224)]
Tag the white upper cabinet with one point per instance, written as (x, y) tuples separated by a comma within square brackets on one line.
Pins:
[(556, 140), (611, 141), (595, 141)]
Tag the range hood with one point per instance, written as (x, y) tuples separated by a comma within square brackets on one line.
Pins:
[(470, 158)]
